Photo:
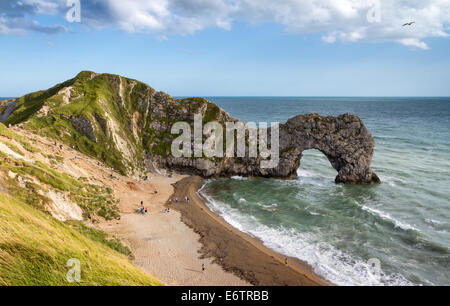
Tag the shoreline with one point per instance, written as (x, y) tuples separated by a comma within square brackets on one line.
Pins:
[(260, 266), (162, 244)]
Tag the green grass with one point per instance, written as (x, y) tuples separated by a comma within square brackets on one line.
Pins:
[(100, 236), (35, 248), (5, 132), (99, 98), (94, 200), (13, 147)]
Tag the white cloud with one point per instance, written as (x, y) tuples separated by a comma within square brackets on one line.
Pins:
[(334, 20), (412, 42), (15, 16)]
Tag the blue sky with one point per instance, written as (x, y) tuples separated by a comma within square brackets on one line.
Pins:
[(236, 56)]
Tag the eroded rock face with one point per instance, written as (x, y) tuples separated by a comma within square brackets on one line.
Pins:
[(8, 109), (84, 127), (344, 140)]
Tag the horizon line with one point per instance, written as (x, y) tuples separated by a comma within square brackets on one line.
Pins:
[(271, 96)]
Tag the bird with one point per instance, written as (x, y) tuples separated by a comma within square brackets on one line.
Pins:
[(409, 23)]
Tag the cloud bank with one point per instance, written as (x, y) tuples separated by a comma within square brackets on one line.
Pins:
[(334, 20)]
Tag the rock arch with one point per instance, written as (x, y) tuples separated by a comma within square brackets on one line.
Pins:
[(344, 140)]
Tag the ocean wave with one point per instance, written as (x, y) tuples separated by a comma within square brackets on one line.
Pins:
[(385, 216), (239, 178), (312, 178), (305, 173), (439, 226), (334, 265), (392, 181), (269, 208), (435, 222)]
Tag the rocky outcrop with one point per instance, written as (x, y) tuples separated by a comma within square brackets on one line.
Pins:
[(84, 127), (8, 110), (129, 124), (344, 140)]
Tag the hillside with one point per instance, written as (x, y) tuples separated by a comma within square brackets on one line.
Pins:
[(46, 212), (35, 248), (120, 121)]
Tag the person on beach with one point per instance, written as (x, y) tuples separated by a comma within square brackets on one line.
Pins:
[(203, 268)]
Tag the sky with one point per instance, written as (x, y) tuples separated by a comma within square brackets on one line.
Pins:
[(231, 47)]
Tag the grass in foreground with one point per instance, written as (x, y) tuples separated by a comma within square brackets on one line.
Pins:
[(35, 248)]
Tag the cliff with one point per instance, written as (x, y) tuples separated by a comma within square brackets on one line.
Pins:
[(128, 125)]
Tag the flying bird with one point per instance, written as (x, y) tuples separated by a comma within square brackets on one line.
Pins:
[(409, 23)]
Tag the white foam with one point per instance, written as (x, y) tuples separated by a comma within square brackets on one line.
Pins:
[(305, 173), (336, 266), (386, 216), (313, 178), (239, 178), (434, 222), (270, 208)]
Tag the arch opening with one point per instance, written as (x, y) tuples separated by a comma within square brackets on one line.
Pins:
[(315, 164)]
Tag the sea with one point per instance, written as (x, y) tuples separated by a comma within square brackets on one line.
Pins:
[(396, 233)]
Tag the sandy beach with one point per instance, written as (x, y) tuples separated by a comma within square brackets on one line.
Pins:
[(162, 245), (237, 252)]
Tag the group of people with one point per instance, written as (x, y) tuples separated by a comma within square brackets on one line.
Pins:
[(142, 209)]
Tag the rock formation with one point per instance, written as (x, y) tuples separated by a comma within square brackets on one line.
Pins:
[(128, 125), (344, 140)]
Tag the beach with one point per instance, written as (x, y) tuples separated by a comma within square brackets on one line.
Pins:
[(237, 252), (162, 245)]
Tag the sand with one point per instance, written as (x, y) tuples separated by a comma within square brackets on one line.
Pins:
[(163, 245), (235, 251)]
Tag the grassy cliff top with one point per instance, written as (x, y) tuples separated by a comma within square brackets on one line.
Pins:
[(118, 120), (35, 248)]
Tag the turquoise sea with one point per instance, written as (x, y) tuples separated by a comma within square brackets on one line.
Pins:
[(397, 233)]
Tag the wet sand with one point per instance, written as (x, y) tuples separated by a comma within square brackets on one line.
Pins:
[(237, 252)]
